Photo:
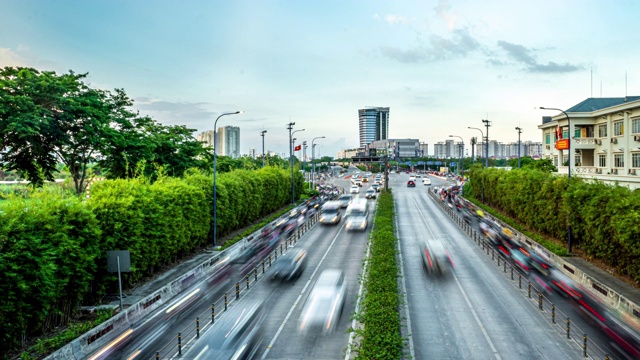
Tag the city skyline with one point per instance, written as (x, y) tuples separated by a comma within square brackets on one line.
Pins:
[(442, 66)]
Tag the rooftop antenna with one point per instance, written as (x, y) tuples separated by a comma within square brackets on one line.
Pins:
[(592, 81)]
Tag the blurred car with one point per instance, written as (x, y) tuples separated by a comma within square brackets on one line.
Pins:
[(426, 181), (357, 215), (375, 187), (323, 307), (354, 189), (411, 183), (435, 257), (331, 212), (345, 200), (237, 335), (290, 265), (370, 193)]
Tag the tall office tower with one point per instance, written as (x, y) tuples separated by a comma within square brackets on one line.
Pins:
[(229, 141), (206, 138), (374, 124)]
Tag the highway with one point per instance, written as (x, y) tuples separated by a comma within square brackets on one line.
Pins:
[(475, 312)]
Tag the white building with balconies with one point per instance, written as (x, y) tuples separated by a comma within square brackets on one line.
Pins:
[(605, 140)]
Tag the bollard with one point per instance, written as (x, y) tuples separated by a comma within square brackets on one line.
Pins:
[(247, 277), (263, 266), (504, 266), (237, 290), (198, 327), (553, 313), (269, 260), (225, 302), (529, 289), (606, 357), (179, 343), (493, 253), (255, 274), (498, 260), (568, 328), (540, 300), (157, 355), (213, 313), (519, 280), (512, 273), (275, 257), (584, 345)]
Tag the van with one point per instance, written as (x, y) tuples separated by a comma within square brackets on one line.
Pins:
[(331, 213), (357, 215)]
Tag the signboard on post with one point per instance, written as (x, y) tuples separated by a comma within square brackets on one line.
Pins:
[(562, 144), (119, 261)]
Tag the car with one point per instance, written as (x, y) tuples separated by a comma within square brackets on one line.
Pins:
[(370, 193), (331, 212), (357, 215), (355, 189), (323, 307), (236, 335), (375, 187), (412, 178), (435, 257), (345, 200), (411, 183), (426, 181), (290, 265)]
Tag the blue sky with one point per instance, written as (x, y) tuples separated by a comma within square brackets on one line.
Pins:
[(440, 66)]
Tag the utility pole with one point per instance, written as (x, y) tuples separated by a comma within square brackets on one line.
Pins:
[(290, 127), (487, 123), (519, 144)]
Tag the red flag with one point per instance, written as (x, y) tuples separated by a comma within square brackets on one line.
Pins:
[(298, 148)]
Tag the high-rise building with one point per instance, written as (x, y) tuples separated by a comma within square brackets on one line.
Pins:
[(229, 141), (373, 124), (206, 138)]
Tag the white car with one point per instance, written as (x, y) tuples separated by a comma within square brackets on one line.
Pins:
[(323, 307), (355, 189), (426, 181)]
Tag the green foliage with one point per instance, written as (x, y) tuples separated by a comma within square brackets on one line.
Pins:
[(603, 218), (380, 335)]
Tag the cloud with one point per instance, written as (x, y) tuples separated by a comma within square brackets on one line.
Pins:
[(9, 57), (460, 44), (392, 19), (191, 114), (527, 57), (443, 10)]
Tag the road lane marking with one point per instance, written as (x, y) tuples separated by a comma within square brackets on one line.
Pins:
[(404, 295), (304, 289)]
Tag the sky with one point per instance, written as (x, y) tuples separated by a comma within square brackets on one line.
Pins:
[(441, 66)]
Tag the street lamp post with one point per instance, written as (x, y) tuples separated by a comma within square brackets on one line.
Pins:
[(459, 154), (215, 194), (293, 201), (481, 132), (473, 149), (519, 129), (262, 134), (569, 237), (313, 162), (487, 123)]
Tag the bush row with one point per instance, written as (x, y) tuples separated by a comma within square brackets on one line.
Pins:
[(604, 218), (380, 334), (53, 245)]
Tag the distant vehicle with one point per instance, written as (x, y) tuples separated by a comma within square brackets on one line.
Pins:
[(237, 335), (411, 183), (331, 212), (290, 265), (412, 178), (375, 187), (426, 181), (323, 307), (370, 193), (354, 189), (435, 257), (345, 200)]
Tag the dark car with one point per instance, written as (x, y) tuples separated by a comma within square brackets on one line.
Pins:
[(290, 265), (376, 187), (435, 257), (370, 194), (411, 183)]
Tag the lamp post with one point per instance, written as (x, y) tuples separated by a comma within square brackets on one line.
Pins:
[(262, 134), (313, 162), (293, 200), (481, 132), (304, 158), (569, 237), (473, 149), (519, 129), (459, 154), (215, 194), (487, 123)]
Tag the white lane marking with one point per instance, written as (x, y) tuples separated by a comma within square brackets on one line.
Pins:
[(464, 294), (284, 322), (404, 295)]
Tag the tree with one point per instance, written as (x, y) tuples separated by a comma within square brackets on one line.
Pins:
[(46, 118)]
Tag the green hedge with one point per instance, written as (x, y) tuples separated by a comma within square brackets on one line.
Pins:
[(380, 335), (604, 218), (53, 245)]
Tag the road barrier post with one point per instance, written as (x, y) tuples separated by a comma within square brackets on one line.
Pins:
[(179, 343), (225, 302), (568, 328), (529, 289), (553, 313), (198, 327), (247, 277), (519, 281), (263, 266), (540, 300), (584, 346), (255, 274), (504, 266), (237, 290), (512, 273), (213, 313)]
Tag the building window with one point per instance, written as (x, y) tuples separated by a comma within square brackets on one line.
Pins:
[(578, 159), (635, 160), (602, 160), (635, 126), (555, 160), (547, 139), (602, 130), (618, 128), (618, 160), (565, 133)]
